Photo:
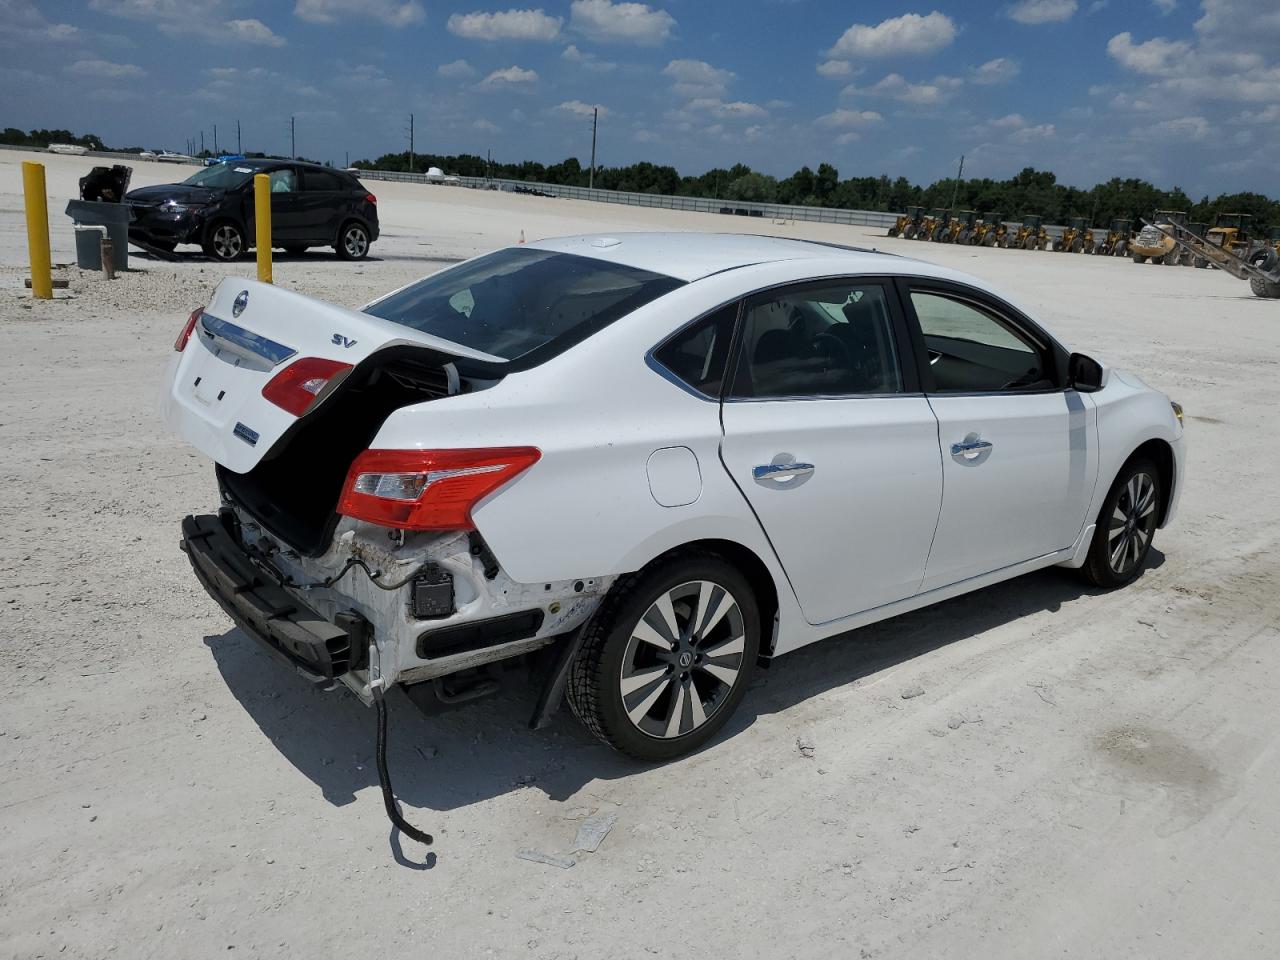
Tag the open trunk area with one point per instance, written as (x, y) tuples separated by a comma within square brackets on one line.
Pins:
[(294, 490)]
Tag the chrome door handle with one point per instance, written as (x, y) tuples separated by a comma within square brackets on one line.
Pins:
[(970, 449), (780, 471)]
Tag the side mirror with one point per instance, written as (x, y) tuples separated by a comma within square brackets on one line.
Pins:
[(1085, 374)]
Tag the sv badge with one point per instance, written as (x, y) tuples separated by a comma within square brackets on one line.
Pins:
[(339, 340)]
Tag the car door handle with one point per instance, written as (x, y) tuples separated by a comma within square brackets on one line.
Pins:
[(970, 449), (780, 471)]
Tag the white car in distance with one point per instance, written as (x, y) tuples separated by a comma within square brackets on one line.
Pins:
[(671, 456)]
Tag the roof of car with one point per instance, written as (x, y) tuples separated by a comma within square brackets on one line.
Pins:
[(691, 256)]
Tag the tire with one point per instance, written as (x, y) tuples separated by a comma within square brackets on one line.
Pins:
[(963, 238), (910, 232), (224, 241), (624, 647), (989, 240), (1029, 244), (295, 248), (1138, 258), (1122, 248), (353, 241), (1126, 526), (893, 231), (1264, 288), (1199, 263), (1171, 258)]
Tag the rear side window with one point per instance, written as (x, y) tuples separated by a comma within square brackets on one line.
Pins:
[(829, 340), (315, 181), (698, 355), (520, 302)]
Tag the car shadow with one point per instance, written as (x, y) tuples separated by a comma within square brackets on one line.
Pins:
[(484, 749)]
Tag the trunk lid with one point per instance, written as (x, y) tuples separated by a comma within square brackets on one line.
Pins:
[(248, 334)]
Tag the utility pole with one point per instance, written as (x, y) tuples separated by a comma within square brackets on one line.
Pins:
[(411, 143), (488, 164), (202, 141), (348, 158), (595, 119), (956, 188), (239, 149), (293, 141), (215, 139)]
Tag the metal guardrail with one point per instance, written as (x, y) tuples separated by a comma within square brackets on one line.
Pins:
[(110, 154)]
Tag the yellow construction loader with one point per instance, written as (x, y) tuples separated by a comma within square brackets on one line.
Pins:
[(1030, 234), (935, 225), (1116, 242), (1263, 275), (990, 231), (907, 223), (1157, 245), (1231, 231), (1077, 237), (961, 227)]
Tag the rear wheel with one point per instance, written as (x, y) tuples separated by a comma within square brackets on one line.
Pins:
[(910, 232), (893, 231), (1122, 248), (1126, 526), (667, 657), (225, 241), (353, 241)]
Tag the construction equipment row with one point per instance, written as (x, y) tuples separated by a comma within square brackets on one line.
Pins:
[(1231, 231)]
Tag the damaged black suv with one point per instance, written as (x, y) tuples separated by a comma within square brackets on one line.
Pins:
[(311, 206)]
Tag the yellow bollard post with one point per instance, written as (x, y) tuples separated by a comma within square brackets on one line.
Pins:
[(262, 218), (37, 229)]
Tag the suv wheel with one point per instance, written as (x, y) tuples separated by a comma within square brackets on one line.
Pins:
[(667, 657), (1126, 526), (225, 241), (353, 242)]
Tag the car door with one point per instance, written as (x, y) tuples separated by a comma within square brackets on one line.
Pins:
[(1018, 448), (829, 439), (324, 195)]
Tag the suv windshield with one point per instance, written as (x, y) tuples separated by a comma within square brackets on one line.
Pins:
[(512, 302), (220, 176)]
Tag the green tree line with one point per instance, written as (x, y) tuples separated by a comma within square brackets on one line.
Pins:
[(1029, 192)]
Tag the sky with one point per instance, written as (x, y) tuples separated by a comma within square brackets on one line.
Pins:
[(1179, 92)]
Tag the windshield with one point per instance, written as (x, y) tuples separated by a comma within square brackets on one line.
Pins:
[(512, 302), (220, 176)]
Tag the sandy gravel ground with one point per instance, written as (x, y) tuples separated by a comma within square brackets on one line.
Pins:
[(1084, 775)]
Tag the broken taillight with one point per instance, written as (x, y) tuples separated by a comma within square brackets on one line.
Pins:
[(187, 328), (296, 387), (428, 489)]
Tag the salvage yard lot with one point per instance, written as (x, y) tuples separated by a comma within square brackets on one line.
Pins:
[(1082, 774)]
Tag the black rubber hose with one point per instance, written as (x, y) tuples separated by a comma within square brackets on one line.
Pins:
[(384, 778)]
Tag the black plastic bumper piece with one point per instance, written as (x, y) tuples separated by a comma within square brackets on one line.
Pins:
[(319, 649)]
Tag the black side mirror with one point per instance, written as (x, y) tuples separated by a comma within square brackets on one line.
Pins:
[(1084, 374)]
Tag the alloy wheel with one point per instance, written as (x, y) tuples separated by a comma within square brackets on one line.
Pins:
[(226, 242), (356, 242), (1132, 522), (682, 660)]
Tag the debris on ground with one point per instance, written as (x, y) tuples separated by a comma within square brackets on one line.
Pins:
[(593, 831), (912, 692), (806, 747), (536, 856)]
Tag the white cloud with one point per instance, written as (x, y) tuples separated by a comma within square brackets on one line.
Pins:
[(1042, 11), (848, 137), (457, 70), (105, 70), (608, 22), (176, 18), (835, 68), (727, 111), (1157, 57), (697, 78), (1180, 128), (1010, 121), (390, 12), (508, 77), (999, 70), (586, 60), (938, 90), (486, 126), (364, 76), (511, 25), (909, 33), (1042, 131), (850, 118), (1166, 7), (577, 108), (645, 136)]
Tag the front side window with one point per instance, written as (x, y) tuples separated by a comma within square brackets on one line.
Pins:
[(283, 181), (515, 301), (973, 351), (833, 339)]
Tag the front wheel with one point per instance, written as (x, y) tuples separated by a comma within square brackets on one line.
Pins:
[(353, 242), (1126, 525), (225, 242), (667, 657)]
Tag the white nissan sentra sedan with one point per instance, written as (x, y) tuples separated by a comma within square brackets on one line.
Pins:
[(664, 457)]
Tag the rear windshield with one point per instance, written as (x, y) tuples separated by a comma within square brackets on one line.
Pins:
[(523, 302)]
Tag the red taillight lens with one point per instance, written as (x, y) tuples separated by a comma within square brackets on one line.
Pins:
[(181, 343), (428, 489), (371, 198), (296, 387)]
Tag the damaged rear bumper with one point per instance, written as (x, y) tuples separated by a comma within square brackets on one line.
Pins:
[(320, 649)]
